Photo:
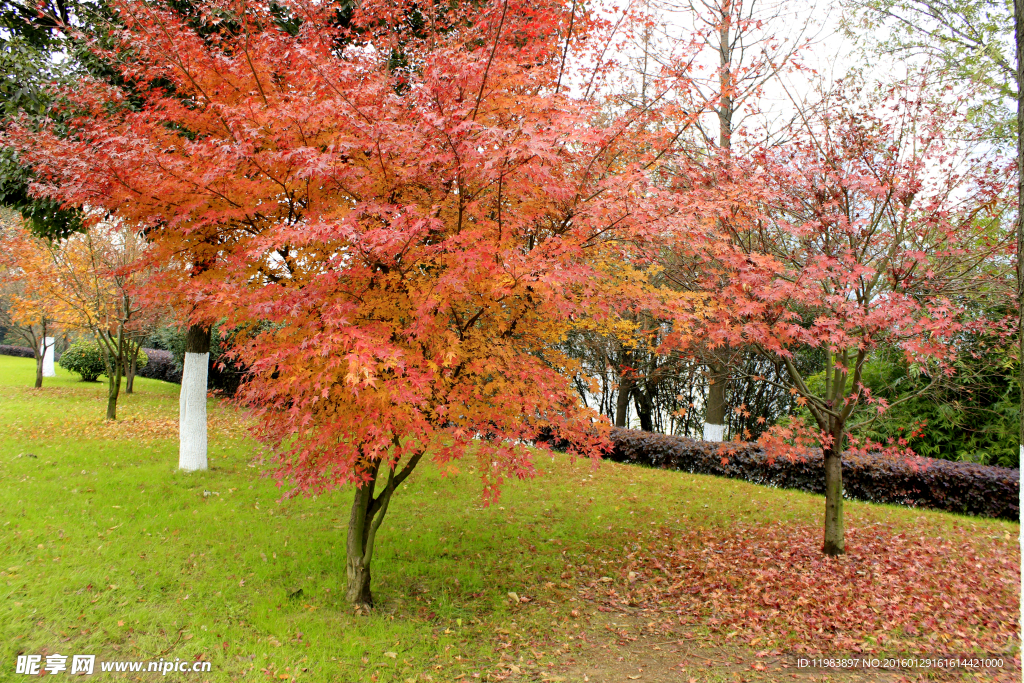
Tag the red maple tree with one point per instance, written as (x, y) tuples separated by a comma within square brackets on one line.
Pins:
[(401, 214), (874, 227)]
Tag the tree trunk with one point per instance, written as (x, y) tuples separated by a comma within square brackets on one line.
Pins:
[(644, 409), (132, 367), (834, 538), (39, 353), (714, 417), (364, 520), (192, 400), (113, 391), (114, 378), (357, 566), (129, 379), (49, 343), (622, 399)]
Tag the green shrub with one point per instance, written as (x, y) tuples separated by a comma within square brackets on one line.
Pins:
[(85, 359)]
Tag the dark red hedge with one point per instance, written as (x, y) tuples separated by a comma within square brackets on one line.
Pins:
[(960, 487), (19, 351), (161, 366)]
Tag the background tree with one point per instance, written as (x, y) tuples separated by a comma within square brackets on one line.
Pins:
[(57, 42), (87, 283), (39, 45), (25, 311), (879, 230), (743, 45), (973, 41)]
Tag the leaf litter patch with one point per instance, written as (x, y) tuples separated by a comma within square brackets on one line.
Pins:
[(895, 591)]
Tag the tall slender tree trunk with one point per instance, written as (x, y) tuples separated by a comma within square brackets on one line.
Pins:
[(714, 416), (626, 383), (38, 354), (835, 543), (714, 419), (192, 400), (1018, 21), (644, 409)]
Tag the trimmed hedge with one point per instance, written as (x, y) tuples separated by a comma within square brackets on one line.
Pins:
[(161, 366), (19, 351), (961, 487)]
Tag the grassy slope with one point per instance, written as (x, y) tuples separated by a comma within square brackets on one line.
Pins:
[(106, 549)]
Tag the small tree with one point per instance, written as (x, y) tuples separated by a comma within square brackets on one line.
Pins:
[(25, 310), (88, 282), (874, 230)]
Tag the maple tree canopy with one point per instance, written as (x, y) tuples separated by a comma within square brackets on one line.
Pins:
[(401, 213)]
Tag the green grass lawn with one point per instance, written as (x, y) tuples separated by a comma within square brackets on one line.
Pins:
[(106, 549)]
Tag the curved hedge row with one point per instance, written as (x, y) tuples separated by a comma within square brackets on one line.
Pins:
[(960, 487)]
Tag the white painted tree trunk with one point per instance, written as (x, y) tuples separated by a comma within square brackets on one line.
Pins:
[(714, 432), (192, 418), (48, 369)]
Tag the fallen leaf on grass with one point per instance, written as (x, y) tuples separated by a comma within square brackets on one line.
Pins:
[(952, 594)]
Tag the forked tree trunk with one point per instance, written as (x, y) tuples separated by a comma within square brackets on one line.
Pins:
[(364, 521), (39, 369), (834, 534), (714, 417), (357, 566), (131, 368), (114, 367), (192, 400)]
